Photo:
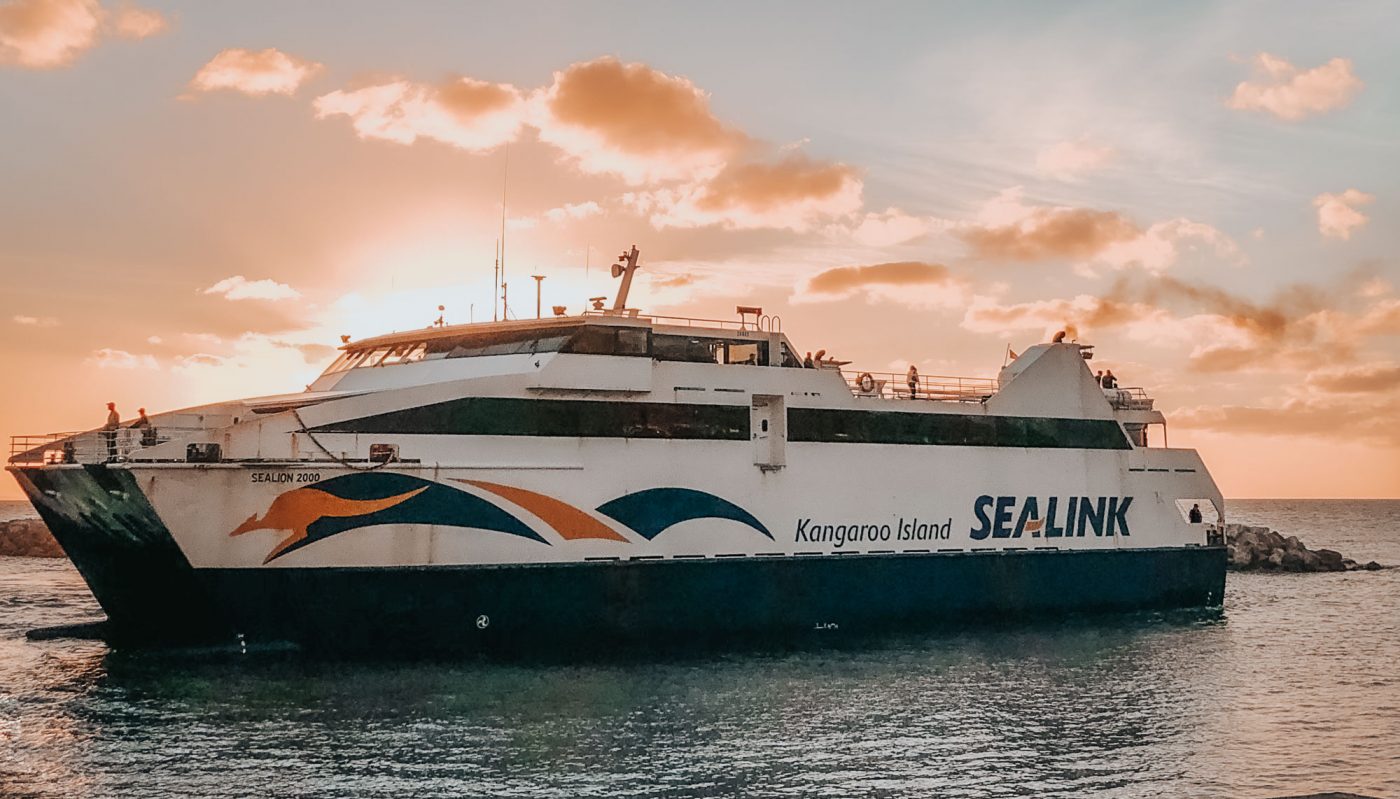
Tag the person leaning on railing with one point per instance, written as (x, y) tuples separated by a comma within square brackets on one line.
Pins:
[(143, 423)]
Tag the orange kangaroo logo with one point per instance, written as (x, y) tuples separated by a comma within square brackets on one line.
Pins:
[(298, 509)]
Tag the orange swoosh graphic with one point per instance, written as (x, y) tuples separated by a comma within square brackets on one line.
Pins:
[(569, 522), (1034, 525), (298, 509)]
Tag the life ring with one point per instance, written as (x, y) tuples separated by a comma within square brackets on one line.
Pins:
[(866, 382)]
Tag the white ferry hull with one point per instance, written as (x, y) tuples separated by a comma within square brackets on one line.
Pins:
[(797, 558)]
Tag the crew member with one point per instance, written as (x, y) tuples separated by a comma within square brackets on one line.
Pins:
[(912, 378), (807, 362), (109, 430), (1194, 516), (143, 423)]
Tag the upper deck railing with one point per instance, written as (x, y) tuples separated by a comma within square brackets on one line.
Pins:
[(91, 446), (1132, 398), (891, 385), (764, 323)]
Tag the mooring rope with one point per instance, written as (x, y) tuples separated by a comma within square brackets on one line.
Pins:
[(347, 464)]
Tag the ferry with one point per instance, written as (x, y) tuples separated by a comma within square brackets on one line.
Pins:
[(613, 478)]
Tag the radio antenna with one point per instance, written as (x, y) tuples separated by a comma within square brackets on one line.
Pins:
[(501, 279)]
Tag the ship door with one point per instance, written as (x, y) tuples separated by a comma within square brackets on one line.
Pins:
[(768, 426)]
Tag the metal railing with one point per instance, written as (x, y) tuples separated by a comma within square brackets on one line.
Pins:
[(764, 323), (92, 446), (1132, 398), (892, 385)]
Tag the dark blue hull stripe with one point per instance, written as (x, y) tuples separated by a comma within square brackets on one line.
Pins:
[(696, 602)]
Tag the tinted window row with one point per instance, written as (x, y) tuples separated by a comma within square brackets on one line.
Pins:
[(584, 340), (500, 416), (885, 427)]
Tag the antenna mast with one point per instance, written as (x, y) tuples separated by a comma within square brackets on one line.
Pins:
[(501, 278), (625, 268)]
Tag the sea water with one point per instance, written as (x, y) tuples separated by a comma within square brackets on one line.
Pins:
[(1293, 688)]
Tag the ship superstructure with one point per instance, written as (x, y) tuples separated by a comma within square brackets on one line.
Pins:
[(618, 477)]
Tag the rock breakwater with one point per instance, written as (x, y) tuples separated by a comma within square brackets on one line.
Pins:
[(28, 538), (1262, 549)]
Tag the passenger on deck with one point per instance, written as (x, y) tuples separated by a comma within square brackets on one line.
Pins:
[(807, 362), (143, 423), (1109, 381), (1195, 514), (1098, 377), (109, 430), (912, 378)]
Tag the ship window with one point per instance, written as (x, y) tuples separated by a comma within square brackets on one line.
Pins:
[(631, 341), (375, 357), (685, 349), (598, 340), (343, 362), (749, 354), (405, 353), (526, 342)]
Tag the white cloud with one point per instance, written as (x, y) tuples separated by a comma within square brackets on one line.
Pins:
[(889, 228), (254, 72), (107, 358), (1160, 246), (131, 22), (34, 321), (1337, 216), (1067, 160), (240, 288), (568, 211), (1281, 89), (1009, 228)]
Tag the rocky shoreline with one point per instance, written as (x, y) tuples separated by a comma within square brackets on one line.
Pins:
[(28, 538), (1250, 549), (1262, 549)]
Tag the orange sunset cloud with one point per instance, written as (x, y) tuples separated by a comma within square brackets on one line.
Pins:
[(43, 34), (468, 114), (633, 121), (47, 34)]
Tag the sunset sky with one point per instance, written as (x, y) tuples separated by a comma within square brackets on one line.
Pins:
[(197, 200)]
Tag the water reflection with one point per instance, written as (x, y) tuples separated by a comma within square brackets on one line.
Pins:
[(1065, 709)]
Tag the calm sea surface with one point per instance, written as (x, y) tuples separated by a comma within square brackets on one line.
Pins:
[(1294, 688)]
